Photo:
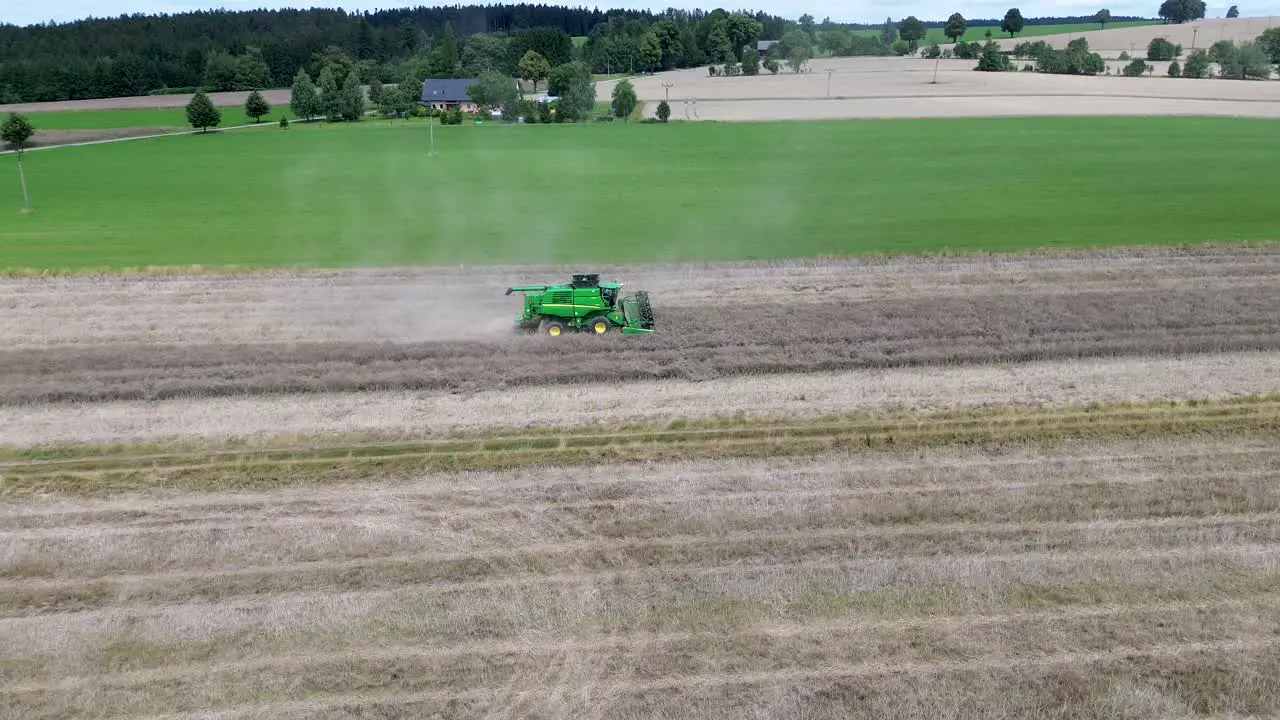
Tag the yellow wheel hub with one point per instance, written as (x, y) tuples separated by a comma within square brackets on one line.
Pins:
[(555, 331), (601, 327)]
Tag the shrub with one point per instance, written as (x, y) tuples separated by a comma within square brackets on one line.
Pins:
[(931, 52), (993, 60), (1135, 68), (968, 50), (1160, 49), (1123, 56), (1174, 69), (284, 122), (901, 47), (1074, 60), (1032, 49), (1248, 61), (1197, 65), (664, 111)]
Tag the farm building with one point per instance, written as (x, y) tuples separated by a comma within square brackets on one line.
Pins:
[(446, 94)]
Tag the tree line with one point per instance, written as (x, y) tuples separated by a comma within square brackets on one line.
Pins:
[(246, 50)]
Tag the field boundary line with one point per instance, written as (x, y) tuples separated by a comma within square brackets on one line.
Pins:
[(135, 137)]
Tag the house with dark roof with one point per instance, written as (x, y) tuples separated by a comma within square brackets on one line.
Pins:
[(447, 93)]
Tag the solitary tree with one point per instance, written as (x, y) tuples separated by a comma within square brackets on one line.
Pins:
[(201, 113), (1180, 11), (535, 68), (750, 61), (624, 99), (1012, 22), (664, 111), (15, 132), (1233, 12), (304, 101), (956, 27), (911, 30), (256, 106), (1103, 17)]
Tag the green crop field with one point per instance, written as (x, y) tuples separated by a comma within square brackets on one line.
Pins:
[(113, 119), (978, 34), (371, 194)]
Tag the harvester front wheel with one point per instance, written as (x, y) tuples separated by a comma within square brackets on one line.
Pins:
[(553, 328), (599, 326)]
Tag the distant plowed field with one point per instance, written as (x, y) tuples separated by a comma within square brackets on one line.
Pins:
[(910, 488)]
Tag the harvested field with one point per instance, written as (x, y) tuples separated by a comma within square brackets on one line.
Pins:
[(1134, 40), (357, 332), (904, 88), (807, 501), (1138, 576)]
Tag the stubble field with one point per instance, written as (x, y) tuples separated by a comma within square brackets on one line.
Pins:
[(948, 487)]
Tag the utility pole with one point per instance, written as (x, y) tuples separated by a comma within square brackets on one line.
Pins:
[(667, 86), (829, 71)]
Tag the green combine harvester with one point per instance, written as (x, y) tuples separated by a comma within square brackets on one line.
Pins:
[(584, 305)]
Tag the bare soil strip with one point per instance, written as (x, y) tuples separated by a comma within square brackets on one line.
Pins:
[(1142, 574)]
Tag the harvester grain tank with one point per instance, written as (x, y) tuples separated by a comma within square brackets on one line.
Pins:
[(584, 305)]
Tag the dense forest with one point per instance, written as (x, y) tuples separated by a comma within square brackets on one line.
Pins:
[(224, 50)]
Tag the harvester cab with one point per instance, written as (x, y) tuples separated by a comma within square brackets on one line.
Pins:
[(584, 305)]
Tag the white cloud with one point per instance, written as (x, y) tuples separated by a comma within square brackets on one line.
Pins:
[(27, 13)]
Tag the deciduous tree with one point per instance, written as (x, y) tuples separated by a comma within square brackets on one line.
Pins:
[(956, 27), (1180, 11), (1160, 49), (534, 67), (495, 91), (624, 99), (572, 82), (1269, 41), (352, 98), (1103, 17), (1233, 12), (911, 30), (750, 61), (15, 132), (1197, 65), (1012, 22)]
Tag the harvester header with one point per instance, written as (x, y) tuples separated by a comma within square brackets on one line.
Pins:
[(584, 305)]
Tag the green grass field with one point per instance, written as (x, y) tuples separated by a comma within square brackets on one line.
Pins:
[(112, 119), (978, 34), (371, 194)]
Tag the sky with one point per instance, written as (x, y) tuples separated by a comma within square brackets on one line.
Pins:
[(28, 12)]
